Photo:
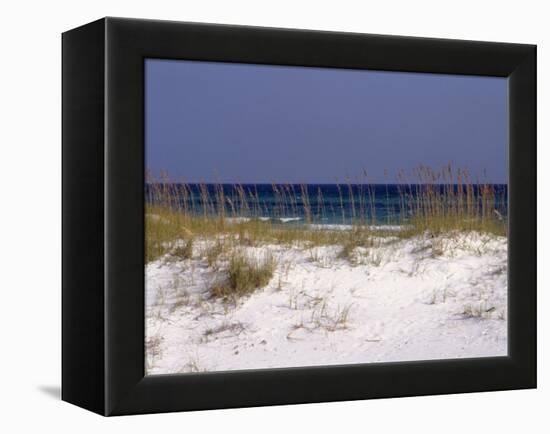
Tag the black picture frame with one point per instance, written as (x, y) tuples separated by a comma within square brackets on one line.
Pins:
[(103, 219)]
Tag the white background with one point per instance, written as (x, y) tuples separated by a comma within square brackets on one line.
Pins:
[(30, 247)]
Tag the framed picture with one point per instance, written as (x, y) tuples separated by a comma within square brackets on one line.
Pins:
[(256, 216)]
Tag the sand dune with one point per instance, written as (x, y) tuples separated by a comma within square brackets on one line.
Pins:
[(406, 299)]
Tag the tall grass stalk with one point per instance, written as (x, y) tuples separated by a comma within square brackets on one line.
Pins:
[(434, 201)]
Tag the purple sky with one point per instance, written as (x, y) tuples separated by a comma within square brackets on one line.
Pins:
[(223, 122)]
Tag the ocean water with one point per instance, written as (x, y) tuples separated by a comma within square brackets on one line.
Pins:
[(313, 203)]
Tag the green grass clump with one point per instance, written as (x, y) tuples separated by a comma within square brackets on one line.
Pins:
[(164, 230), (184, 251), (357, 237), (245, 275), (214, 251), (347, 250)]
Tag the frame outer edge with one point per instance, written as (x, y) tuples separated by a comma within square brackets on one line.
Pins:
[(82, 211), (127, 43), (523, 217)]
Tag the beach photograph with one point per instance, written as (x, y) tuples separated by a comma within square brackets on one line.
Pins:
[(301, 216)]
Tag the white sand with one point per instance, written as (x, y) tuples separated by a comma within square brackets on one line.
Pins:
[(415, 299)]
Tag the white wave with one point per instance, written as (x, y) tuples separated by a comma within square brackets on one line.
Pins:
[(335, 227), (236, 220), (289, 219), (330, 227)]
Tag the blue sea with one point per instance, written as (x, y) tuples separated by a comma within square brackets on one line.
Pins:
[(313, 203)]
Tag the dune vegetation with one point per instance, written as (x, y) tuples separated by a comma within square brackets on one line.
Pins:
[(434, 202)]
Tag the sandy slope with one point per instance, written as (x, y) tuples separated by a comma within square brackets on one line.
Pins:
[(414, 299)]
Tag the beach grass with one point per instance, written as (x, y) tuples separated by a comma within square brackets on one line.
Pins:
[(430, 203), (244, 275)]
